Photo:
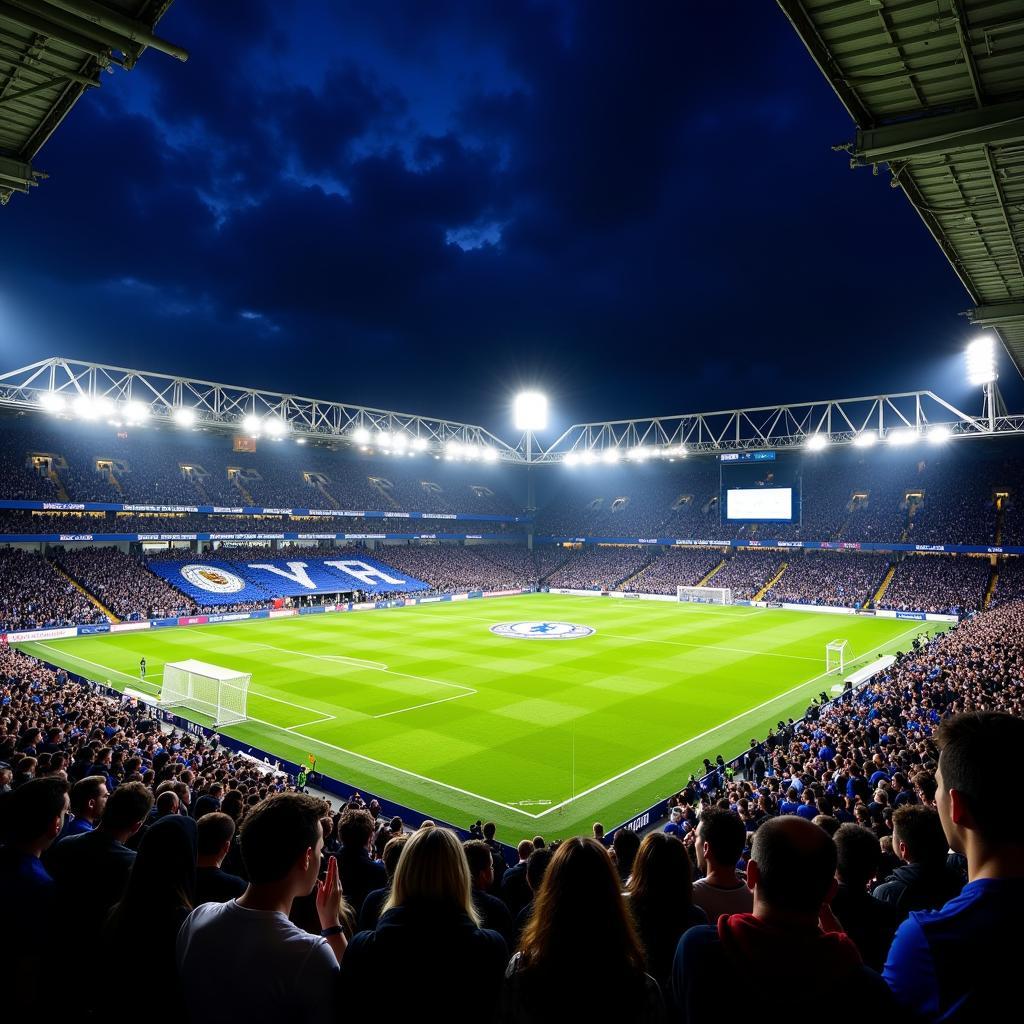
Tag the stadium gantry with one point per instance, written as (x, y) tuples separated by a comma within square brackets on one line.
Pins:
[(51, 53)]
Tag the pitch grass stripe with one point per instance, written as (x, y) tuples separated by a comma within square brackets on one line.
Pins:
[(716, 728), (708, 647)]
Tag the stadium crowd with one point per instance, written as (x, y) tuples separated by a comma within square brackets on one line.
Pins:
[(746, 572), (829, 578), (593, 568), (946, 584), (33, 595), (677, 567)]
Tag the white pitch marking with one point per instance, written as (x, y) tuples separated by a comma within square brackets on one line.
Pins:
[(402, 711)]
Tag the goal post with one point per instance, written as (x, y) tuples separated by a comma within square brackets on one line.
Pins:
[(705, 595), (212, 690), (835, 655)]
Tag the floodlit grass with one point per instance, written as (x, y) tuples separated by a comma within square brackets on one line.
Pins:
[(426, 706)]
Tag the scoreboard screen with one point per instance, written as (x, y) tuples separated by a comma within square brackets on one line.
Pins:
[(759, 487)]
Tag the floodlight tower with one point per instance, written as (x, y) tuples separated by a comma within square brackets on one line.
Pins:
[(530, 413), (981, 370)]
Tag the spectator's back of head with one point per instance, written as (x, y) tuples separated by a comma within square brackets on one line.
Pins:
[(857, 855), (625, 843), (536, 868), (355, 829), (792, 865), (216, 830), (34, 812), (525, 849), (127, 807), (917, 835), (478, 856), (392, 851), (433, 871), (725, 835), (276, 835)]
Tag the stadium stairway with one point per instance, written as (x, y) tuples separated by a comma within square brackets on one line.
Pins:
[(91, 598), (759, 596), (993, 580), (704, 582), (321, 488), (880, 593), (639, 572)]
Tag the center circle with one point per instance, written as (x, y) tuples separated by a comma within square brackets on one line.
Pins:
[(541, 630)]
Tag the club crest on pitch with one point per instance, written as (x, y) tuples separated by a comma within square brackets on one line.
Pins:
[(541, 630)]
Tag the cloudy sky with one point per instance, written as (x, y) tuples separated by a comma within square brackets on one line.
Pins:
[(425, 206)]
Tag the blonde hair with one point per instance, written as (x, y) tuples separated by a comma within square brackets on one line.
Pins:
[(433, 869)]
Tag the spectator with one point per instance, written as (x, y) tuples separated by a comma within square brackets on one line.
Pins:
[(923, 881), (870, 923), (159, 896), (580, 931), (359, 873), (660, 900), (88, 798), (429, 934), (215, 832), (369, 913), (493, 913), (720, 839), (268, 970), (31, 817), (959, 963), (625, 846), (536, 869), (792, 876), (514, 889), (676, 826)]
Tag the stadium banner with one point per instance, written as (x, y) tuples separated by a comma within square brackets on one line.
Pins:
[(24, 635), (92, 628), (316, 610), (282, 613), (263, 613), (253, 510), (162, 623), (193, 620), (128, 627), (475, 593), (229, 617), (891, 613), (827, 609)]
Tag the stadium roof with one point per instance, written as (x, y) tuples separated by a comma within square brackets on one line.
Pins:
[(936, 89), (51, 52)]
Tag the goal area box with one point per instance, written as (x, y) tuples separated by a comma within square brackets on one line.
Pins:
[(221, 693), (705, 595)]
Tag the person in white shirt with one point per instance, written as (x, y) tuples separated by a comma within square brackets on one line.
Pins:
[(244, 958), (719, 843)]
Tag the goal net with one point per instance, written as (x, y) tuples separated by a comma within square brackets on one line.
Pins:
[(212, 690), (705, 595), (835, 655)]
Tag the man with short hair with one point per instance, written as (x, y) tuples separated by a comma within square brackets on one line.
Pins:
[(493, 913), (923, 881), (961, 963), (792, 877), (675, 826), (88, 798), (514, 890), (215, 831), (720, 839), (360, 874), (625, 847), (497, 856), (268, 969)]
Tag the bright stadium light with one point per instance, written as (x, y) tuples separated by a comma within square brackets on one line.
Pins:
[(51, 402), (88, 408), (382, 438), (817, 442), (300, 440), (530, 410), (489, 453), (400, 441), (453, 449), (939, 435), (681, 451), (588, 458), (274, 427), (419, 444), (901, 438), (610, 455), (252, 425), (865, 439), (136, 412), (360, 435), (981, 361), (637, 454), (571, 459), (184, 416)]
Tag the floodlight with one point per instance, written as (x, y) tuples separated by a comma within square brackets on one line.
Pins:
[(531, 411), (489, 453), (300, 440), (638, 454), (419, 444), (85, 408), (865, 439), (681, 451), (571, 459), (251, 425), (382, 438), (136, 412), (360, 435), (50, 401), (453, 450), (902, 437), (816, 442), (274, 427), (400, 441), (610, 455), (981, 361), (939, 434), (184, 416), (588, 457)]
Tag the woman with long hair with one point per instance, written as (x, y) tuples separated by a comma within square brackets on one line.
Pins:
[(579, 954), (428, 937), (660, 900)]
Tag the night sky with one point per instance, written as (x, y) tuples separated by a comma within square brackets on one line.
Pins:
[(426, 206)]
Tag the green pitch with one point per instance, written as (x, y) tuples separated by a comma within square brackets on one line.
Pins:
[(427, 706)]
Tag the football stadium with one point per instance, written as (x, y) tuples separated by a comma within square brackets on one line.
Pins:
[(305, 700)]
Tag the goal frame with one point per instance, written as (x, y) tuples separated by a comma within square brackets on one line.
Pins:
[(704, 595), (835, 656), (213, 690)]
